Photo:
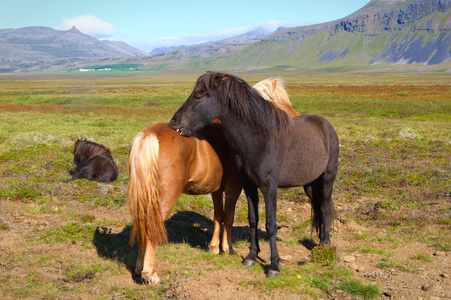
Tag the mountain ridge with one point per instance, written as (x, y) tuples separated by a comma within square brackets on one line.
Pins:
[(35, 44), (377, 16), (382, 32), (385, 32), (392, 32)]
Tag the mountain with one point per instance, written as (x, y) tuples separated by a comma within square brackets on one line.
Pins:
[(160, 50), (398, 32), (124, 48), (383, 32), (259, 32), (35, 47)]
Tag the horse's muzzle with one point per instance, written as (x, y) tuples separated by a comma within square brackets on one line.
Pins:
[(182, 130)]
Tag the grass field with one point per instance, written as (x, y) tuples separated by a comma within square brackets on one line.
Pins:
[(69, 239)]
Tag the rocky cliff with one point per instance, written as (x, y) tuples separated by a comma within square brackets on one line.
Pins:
[(394, 31)]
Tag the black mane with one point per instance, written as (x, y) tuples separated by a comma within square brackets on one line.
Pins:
[(89, 149), (243, 101)]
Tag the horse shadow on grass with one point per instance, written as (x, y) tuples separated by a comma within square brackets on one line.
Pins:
[(187, 227)]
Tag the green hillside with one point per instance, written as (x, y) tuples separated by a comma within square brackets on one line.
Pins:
[(343, 51), (384, 32)]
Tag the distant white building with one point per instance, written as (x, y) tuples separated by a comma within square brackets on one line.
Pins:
[(92, 70)]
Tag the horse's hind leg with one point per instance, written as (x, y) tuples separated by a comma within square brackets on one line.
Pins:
[(218, 219), (149, 272), (320, 194), (140, 260), (145, 264)]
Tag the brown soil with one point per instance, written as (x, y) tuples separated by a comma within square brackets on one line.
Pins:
[(417, 279)]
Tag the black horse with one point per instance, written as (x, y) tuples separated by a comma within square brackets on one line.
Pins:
[(93, 162), (272, 150)]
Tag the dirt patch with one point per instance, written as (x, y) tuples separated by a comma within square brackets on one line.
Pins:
[(150, 104), (403, 270)]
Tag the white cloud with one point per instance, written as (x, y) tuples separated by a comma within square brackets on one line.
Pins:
[(90, 25)]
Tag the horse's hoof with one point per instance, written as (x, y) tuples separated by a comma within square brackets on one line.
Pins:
[(249, 263), (272, 273), (214, 250), (232, 252), (150, 278), (138, 270), (324, 243)]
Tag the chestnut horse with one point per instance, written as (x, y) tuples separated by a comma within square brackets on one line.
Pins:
[(272, 150), (162, 165)]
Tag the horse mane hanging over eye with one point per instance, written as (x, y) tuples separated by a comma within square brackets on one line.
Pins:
[(243, 101)]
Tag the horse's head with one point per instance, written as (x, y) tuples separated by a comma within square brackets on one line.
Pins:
[(201, 107), (76, 153), (231, 100)]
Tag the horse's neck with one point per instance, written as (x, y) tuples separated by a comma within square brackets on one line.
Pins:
[(244, 137), (97, 149)]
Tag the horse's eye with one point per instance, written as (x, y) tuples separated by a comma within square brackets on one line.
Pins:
[(198, 96)]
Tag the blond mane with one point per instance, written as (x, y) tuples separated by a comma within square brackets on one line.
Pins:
[(273, 90)]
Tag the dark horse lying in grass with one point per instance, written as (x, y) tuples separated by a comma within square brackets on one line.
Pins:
[(272, 150), (94, 162)]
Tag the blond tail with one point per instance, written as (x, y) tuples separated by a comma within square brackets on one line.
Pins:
[(144, 190)]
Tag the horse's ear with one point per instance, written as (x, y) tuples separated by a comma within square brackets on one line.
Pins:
[(221, 80), (274, 83)]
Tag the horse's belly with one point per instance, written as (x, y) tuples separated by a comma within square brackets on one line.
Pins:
[(297, 178), (206, 182), (303, 169), (206, 171), (196, 188)]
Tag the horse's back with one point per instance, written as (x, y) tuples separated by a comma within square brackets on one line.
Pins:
[(109, 171), (309, 149)]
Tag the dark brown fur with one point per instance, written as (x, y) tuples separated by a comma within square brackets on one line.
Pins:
[(271, 149), (233, 92), (94, 162)]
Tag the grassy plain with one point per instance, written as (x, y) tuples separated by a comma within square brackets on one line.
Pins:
[(62, 239)]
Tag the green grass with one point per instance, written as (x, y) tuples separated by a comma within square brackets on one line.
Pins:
[(423, 257), (357, 288), (372, 250), (394, 174), (72, 232), (324, 255)]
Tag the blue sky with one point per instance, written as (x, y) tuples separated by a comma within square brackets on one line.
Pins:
[(146, 24)]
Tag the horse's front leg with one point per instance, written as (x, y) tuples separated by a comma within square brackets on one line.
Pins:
[(218, 219), (232, 194), (270, 194), (252, 202)]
